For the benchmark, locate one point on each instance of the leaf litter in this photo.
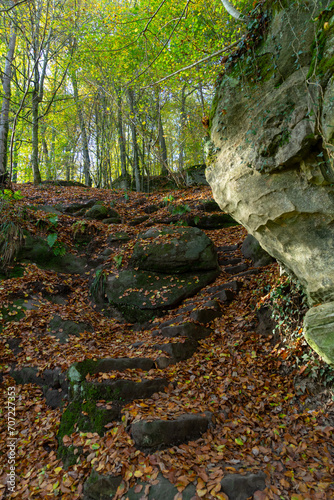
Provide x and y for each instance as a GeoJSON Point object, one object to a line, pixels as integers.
{"type": "Point", "coordinates": [261, 423]}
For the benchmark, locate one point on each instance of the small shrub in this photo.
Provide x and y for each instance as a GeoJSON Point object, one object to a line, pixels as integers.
{"type": "Point", "coordinates": [181, 210]}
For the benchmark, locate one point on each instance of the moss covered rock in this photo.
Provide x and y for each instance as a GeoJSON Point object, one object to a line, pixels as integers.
{"type": "Point", "coordinates": [37, 250]}
{"type": "Point", "coordinates": [100, 212]}
{"type": "Point", "coordinates": [140, 295]}
{"type": "Point", "coordinates": [174, 250]}
{"type": "Point", "coordinates": [64, 328]}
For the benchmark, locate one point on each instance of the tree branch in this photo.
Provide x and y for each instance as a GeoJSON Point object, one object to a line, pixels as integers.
{"type": "Point", "coordinates": [13, 6]}
{"type": "Point", "coordinates": [234, 12]}
{"type": "Point", "coordinates": [185, 68]}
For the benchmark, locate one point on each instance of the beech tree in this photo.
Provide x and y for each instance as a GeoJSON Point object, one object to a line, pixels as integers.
{"type": "Point", "coordinates": [113, 89]}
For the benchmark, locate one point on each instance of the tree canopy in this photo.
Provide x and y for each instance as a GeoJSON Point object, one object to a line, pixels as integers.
{"type": "Point", "coordinates": [95, 90]}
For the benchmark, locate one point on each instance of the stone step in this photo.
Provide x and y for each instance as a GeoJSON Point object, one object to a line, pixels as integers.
{"type": "Point", "coordinates": [235, 486]}
{"type": "Point", "coordinates": [78, 371]}
{"type": "Point", "coordinates": [223, 295]}
{"type": "Point", "coordinates": [120, 390]}
{"type": "Point", "coordinates": [188, 329]}
{"type": "Point", "coordinates": [227, 248]}
{"type": "Point", "coordinates": [222, 261]}
{"type": "Point", "coordinates": [235, 286]}
{"type": "Point", "coordinates": [179, 351]}
{"type": "Point", "coordinates": [236, 269]}
{"type": "Point", "coordinates": [160, 434]}
{"type": "Point", "coordinates": [94, 405]}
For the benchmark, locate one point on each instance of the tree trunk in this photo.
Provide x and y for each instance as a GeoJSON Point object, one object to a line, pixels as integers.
{"type": "Point", "coordinates": [162, 141]}
{"type": "Point", "coordinates": [34, 154]}
{"type": "Point", "coordinates": [84, 139]}
{"type": "Point", "coordinates": [134, 140]}
{"type": "Point", "coordinates": [121, 139]}
{"type": "Point", "coordinates": [182, 128]}
{"type": "Point", "coordinates": [4, 117]}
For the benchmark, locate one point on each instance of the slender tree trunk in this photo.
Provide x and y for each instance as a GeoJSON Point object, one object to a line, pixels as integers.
{"type": "Point", "coordinates": [162, 141]}
{"type": "Point", "coordinates": [46, 159]}
{"type": "Point", "coordinates": [15, 162]}
{"type": "Point", "coordinates": [35, 97]}
{"type": "Point", "coordinates": [84, 139]}
{"type": "Point", "coordinates": [134, 140]}
{"type": "Point", "coordinates": [4, 117]}
{"type": "Point", "coordinates": [34, 155]}
{"type": "Point", "coordinates": [121, 139]}
{"type": "Point", "coordinates": [182, 128]}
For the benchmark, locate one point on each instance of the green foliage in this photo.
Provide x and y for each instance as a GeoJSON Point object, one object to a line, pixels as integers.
{"type": "Point", "coordinates": [118, 260]}
{"type": "Point", "coordinates": [289, 305]}
{"type": "Point", "coordinates": [57, 246]}
{"type": "Point", "coordinates": [79, 228]}
{"type": "Point", "coordinates": [181, 209]}
{"type": "Point", "coordinates": [97, 287]}
{"type": "Point", "coordinates": [10, 196]}
{"type": "Point", "coordinates": [168, 199]}
{"type": "Point", "coordinates": [51, 239]}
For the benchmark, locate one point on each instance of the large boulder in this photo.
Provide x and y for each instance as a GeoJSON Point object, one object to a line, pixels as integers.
{"type": "Point", "coordinates": [140, 295]}
{"type": "Point", "coordinates": [271, 154]}
{"type": "Point", "coordinates": [100, 212]}
{"type": "Point", "coordinates": [174, 250]}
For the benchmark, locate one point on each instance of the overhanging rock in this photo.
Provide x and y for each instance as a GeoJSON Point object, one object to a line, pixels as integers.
{"type": "Point", "coordinates": [271, 155]}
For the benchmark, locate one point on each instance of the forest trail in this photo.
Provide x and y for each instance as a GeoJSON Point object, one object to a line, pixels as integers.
{"type": "Point", "coordinates": [264, 417]}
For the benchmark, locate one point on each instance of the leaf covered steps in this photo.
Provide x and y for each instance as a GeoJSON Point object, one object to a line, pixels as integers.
{"type": "Point", "coordinates": [159, 434]}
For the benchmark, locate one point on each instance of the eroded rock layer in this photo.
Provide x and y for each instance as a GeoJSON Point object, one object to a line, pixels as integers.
{"type": "Point", "coordinates": [272, 131]}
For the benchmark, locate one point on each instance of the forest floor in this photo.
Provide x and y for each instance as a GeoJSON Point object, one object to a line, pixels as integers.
{"type": "Point", "coordinates": [270, 415]}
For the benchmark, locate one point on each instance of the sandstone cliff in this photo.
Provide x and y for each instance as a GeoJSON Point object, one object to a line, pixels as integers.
{"type": "Point", "coordinates": [272, 148]}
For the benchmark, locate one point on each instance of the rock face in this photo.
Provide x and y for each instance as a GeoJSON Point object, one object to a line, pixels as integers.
{"type": "Point", "coordinates": [319, 330]}
{"type": "Point", "coordinates": [271, 155]}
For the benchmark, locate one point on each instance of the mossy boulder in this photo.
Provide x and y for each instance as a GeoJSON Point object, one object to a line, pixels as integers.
{"type": "Point", "coordinates": [100, 212]}
{"type": "Point", "coordinates": [140, 295]}
{"type": "Point", "coordinates": [37, 250]}
{"type": "Point", "coordinates": [62, 329]}
{"type": "Point", "coordinates": [174, 250]}
{"type": "Point", "coordinates": [72, 208]}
